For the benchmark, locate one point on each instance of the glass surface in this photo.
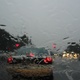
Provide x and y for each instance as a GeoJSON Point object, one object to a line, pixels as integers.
{"type": "Point", "coordinates": [36, 51]}
{"type": "Point", "coordinates": [50, 24]}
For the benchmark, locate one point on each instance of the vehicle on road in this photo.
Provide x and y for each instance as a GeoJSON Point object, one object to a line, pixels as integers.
{"type": "Point", "coordinates": [31, 55]}
{"type": "Point", "coordinates": [79, 57]}
{"type": "Point", "coordinates": [31, 72]}
{"type": "Point", "coordinates": [31, 64]}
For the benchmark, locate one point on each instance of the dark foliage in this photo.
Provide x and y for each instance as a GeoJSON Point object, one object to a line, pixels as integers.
{"type": "Point", "coordinates": [10, 43]}
{"type": "Point", "coordinates": [75, 47]}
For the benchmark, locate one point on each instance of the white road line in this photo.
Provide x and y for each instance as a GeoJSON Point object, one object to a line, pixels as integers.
{"type": "Point", "coordinates": [69, 77]}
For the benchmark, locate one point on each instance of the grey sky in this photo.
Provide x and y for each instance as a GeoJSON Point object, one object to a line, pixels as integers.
{"type": "Point", "coordinates": [47, 21]}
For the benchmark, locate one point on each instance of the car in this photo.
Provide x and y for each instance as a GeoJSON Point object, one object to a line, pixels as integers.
{"type": "Point", "coordinates": [31, 55]}
{"type": "Point", "coordinates": [29, 63]}
{"type": "Point", "coordinates": [30, 72]}
{"type": "Point", "coordinates": [79, 57]}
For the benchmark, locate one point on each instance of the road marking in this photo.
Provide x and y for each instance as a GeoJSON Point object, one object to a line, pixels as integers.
{"type": "Point", "coordinates": [69, 77]}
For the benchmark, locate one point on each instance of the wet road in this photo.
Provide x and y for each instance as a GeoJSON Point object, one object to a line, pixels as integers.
{"type": "Point", "coordinates": [64, 69]}
{"type": "Point", "coordinates": [3, 73]}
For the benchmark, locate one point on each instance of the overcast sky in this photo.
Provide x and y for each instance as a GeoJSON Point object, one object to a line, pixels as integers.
{"type": "Point", "coordinates": [47, 21]}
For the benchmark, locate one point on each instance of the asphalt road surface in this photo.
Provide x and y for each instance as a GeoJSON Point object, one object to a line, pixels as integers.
{"type": "Point", "coordinates": [63, 69]}
{"type": "Point", "coordinates": [3, 73]}
{"type": "Point", "coordinates": [66, 69]}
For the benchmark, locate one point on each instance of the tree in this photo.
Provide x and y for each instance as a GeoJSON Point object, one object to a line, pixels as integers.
{"type": "Point", "coordinates": [74, 47]}
{"type": "Point", "coordinates": [10, 43]}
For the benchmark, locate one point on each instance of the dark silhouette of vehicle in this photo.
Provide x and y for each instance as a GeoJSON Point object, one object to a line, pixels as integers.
{"type": "Point", "coordinates": [79, 57]}
{"type": "Point", "coordinates": [31, 55]}
{"type": "Point", "coordinates": [31, 63]}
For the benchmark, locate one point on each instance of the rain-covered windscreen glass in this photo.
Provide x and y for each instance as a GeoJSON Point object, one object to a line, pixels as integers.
{"type": "Point", "coordinates": [41, 27]}
{"type": "Point", "coordinates": [35, 51]}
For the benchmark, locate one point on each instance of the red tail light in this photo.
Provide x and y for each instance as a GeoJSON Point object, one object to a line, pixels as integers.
{"type": "Point", "coordinates": [48, 60]}
{"type": "Point", "coordinates": [32, 55]}
{"type": "Point", "coordinates": [10, 60]}
{"type": "Point", "coordinates": [45, 61]}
